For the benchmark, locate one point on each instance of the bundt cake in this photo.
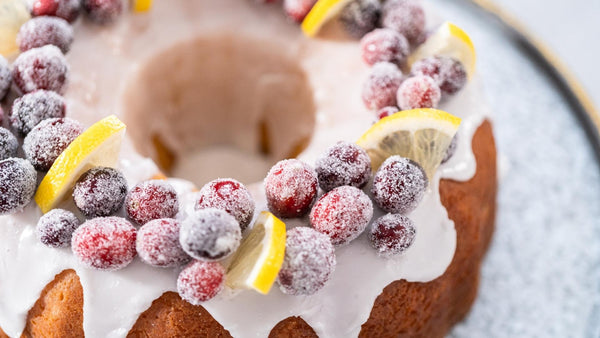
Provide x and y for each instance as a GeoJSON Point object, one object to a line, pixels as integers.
{"type": "Point", "coordinates": [369, 238]}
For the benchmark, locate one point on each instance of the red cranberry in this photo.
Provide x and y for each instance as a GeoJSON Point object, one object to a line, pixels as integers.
{"type": "Point", "coordinates": [448, 73]}
{"type": "Point", "coordinates": [100, 192]}
{"type": "Point", "coordinates": [41, 68]}
{"type": "Point", "coordinates": [404, 16]}
{"type": "Point", "coordinates": [65, 9]}
{"type": "Point", "coordinates": [150, 200]}
{"type": "Point", "coordinates": [5, 79]}
{"type": "Point", "coordinates": [360, 17]}
{"type": "Point", "coordinates": [298, 9]}
{"type": "Point", "coordinates": [382, 85]}
{"type": "Point", "coordinates": [102, 11]}
{"type": "Point", "coordinates": [45, 30]}
{"type": "Point", "coordinates": [419, 92]}
{"type": "Point", "coordinates": [200, 281]}
{"type": "Point", "coordinates": [56, 228]}
{"type": "Point", "coordinates": [342, 214]}
{"type": "Point", "coordinates": [210, 234]}
{"type": "Point", "coordinates": [31, 109]}
{"type": "Point", "coordinates": [399, 185]}
{"type": "Point", "coordinates": [48, 140]}
{"type": "Point", "coordinates": [392, 234]}
{"type": "Point", "coordinates": [291, 187]}
{"type": "Point", "coordinates": [451, 149]}
{"type": "Point", "coordinates": [343, 164]}
{"type": "Point", "coordinates": [229, 195]}
{"type": "Point", "coordinates": [308, 263]}
{"type": "Point", "coordinates": [384, 45]}
{"type": "Point", "coordinates": [157, 243]}
{"type": "Point", "coordinates": [8, 144]}
{"type": "Point", "coordinates": [17, 184]}
{"type": "Point", "coordinates": [387, 111]}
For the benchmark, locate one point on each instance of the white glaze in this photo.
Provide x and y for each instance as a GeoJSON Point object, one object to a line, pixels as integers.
{"type": "Point", "coordinates": [114, 300]}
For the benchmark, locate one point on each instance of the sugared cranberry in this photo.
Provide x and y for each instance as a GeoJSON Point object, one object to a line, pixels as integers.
{"type": "Point", "coordinates": [102, 11]}
{"type": "Point", "coordinates": [5, 78]}
{"type": "Point", "coordinates": [342, 214]}
{"type": "Point", "coordinates": [105, 243]}
{"type": "Point", "coordinates": [45, 30]}
{"type": "Point", "coordinates": [56, 228]}
{"type": "Point", "coordinates": [65, 9]}
{"type": "Point", "coordinates": [419, 92]}
{"type": "Point", "coordinates": [451, 149]}
{"type": "Point", "coordinates": [344, 163]}
{"type": "Point", "coordinates": [291, 187]}
{"type": "Point", "coordinates": [48, 140]}
{"type": "Point", "coordinates": [210, 234]}
{"type": "Point", "coordinates": [360, 17]}
{"type": "Point", "coordinates": [157, 243]}
{"type": "Point", "coordinates": [229, 195]}
{"type": "Point", "coordinates": [399, 185]}
{"type": "Point", "coordinates": [392, 234]}
{"type": "Point", "coordinates": [384, 45]}
{"type": "Point", "coordinates": [387, 111]}
{"type": "Point", "coordinates": [100, 192]}
{"type": "Point", "coordinates": [200, 281]}
{"type": "Point", "coordinates": [31, 109]}
{"type": "Point", "coordinates": [41, 68]}
{"type": "Point", "coordinates": [308, 263]}
{"type": "Point", "coordinates": [8, 144]}
{"type": "Point", "coordinates": [404, 16]}
{"type": "Point", "coordinates": [150, 200]}
{"type": "Point", "coordinates": [17, 184]}
{"type": "Point", "coordinates": [448, 73]}
{"type": "Point", "coordinates": [298, 9]}
{"type": "Point", "coordinates": [382, 85]}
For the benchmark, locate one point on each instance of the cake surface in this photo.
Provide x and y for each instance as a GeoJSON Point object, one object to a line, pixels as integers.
{"type": "Point", "coordinates": [441, 268]}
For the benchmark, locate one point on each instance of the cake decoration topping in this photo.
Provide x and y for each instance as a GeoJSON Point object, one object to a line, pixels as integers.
{"type": "Point", "coordinates": [382, 85]}
{"type": "Point", "coordinates": [210, 234]}
{"type": "Point", "coordinates": [105, 243]}
{"type": "Point", "coordinates": [48, 140]}
{"type": "Point", "coordinates": [5, 78]}
{"type": "Point", "coordinates": [17, 184]}
{"type": "Point", "coordinates": [13, 14]}
{"type": "Point", "coordinates": [308, 264]}
{"type": "Point", "coordinates": [65, 9]}
{"type": "Point", "coordinates": [41, 68]}
{"type": "Point", "coordinates": [392, 234]}
{"type": "Point", "coordinates": [449, 74]}
{"type": "Point", "coordinates": [291, 188]}
{"type": "Point", "coordinates": [8, 144]}
{"type": "Point", "coordinates": [31, 109]}
{"type": "Point", "coordinates": [228, 195]}
{"type": "Point", "coordinates": [359, 17]}
{"type": "Point", "coordinates": [157, 243]}
{"type": "Point", "coordinates": [298, 9]}
{"type": "Point", "coordinates": [451, 149]}
{"type": "Point", "coordinates": [384, 45]}
{"type": "Point", "coordinates": [344, 163]}
{"type": "Point", "coordinates": [387, 111]}
{"type": "Point", "coordinates": [140, 6]}
{"type": "Point", "coordinates": [200, 281]}
{"type": "Point", "coordinates": [45, 30]}
{"type": "Point", "coordinates": [150, 200]}
{"type": "Point", "coordinates": [342, 214]}
{"type": "Point", "coordinates": [404, 16]}
{"type": "Point", "coordinates": [55, 228]}
{"type": "Point", "coordinates": [100, 192]}
{"type": "Point", "coordinates": [102, 11]}
{"type": "Point", "coordinates": [419, 92]}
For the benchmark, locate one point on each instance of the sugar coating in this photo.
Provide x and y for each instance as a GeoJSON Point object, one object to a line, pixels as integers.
{"type": "Point", "coordinates": [384, 45]}
{"type": "Point", "coordinates": [419, 91]}
{"type": "Point", "coordinates": [380, 88]}
{"type": "Point", "coordinates": [5, 78]}
{"type": "Point", "coordinates": [55, 228]}
{"type": "Point", "coordinates": [344, 163]}
{"type": "Point", "coordinates": [8, 144]}
{"type": "Point", "coordinates": [17, 184]}
{"type": "Point", "coordinates": [308, 263]}
{"type": "Point", "coordinates": [360, 17]}
{"type": "Point", "coordinates": [448, 73]}
{"type": "Point", "coordinates": [41, 68]}
{"type": "Point", "coordinates": [291, 187]}
{"type": "Point", "coordinates": [404, 16]}
{"type": "Point", "coordinates": [102, 11]}
{"type": "Point", "coordinates": [451, 149]}
{"type": "Point", "coordinates": [387, 111]}
{"type": "Point", "coordinates": [48, 140]}
{"type": "Point", "coordinates": [100, 192]}
{"type": "Point", "coordinates": [157, 243]}
{"type": "Point", "coordinates": [229, 195]}
{"type": "Point", "coordinates": [150, 200]}
{"type": "Point", "coordinates": [392, 234]}
{"type": "Point", "coordinates": [298, 9]}
{"type": "Point", "coordinates": [105, 243]}
{"type": "Point", "coordinates": [65, 9]}
{"type": "Point", "coordinates": [399, 185]}
{"type": "Point", "coordinates": [200, 281]}
{"type": "Point", "coordinates": [342, 214]}
{"type": "Point", "coordinates": [210, 234]}
{"type": "Point", "coordinates": [45, 30]}
{"type": "Point", "coordinates": [31, 109]}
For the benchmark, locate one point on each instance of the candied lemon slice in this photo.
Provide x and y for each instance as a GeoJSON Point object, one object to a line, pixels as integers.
{"type": "Point", "coordinates": [448, 40]}
{"type": "Point", "coordinates": [99, 145]}
{"type": "Point", "coordinates": [423, 135]}
{"type": "Point", "coordinates": [140, 6]}
{"type": "Point", "coordinates": [13, 14]}
{"type": "Point", "coordinates": [322, 11]}
{"type": "Point", "coordinates": [257, 262]}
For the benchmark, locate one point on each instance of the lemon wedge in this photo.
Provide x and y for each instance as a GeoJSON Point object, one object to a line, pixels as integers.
{"type": "Point", "coordinates": [322, 11]}
{"type": "Point", "coordinates": [448, 40]}
{"type": "Point", "coordinates": [257, 262]}
{"type": "Point", "coordinates": [13, 14]}
{"type": "Point", "coordinates": [140, 6]}
{"type": "Point", "coordinates": [99, 145]}
{"type": "Point", "coordinates": [423, 135]}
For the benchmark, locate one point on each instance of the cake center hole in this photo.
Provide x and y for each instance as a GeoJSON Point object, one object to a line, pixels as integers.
{"type": "Point", "coordinates": [220, 106]}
